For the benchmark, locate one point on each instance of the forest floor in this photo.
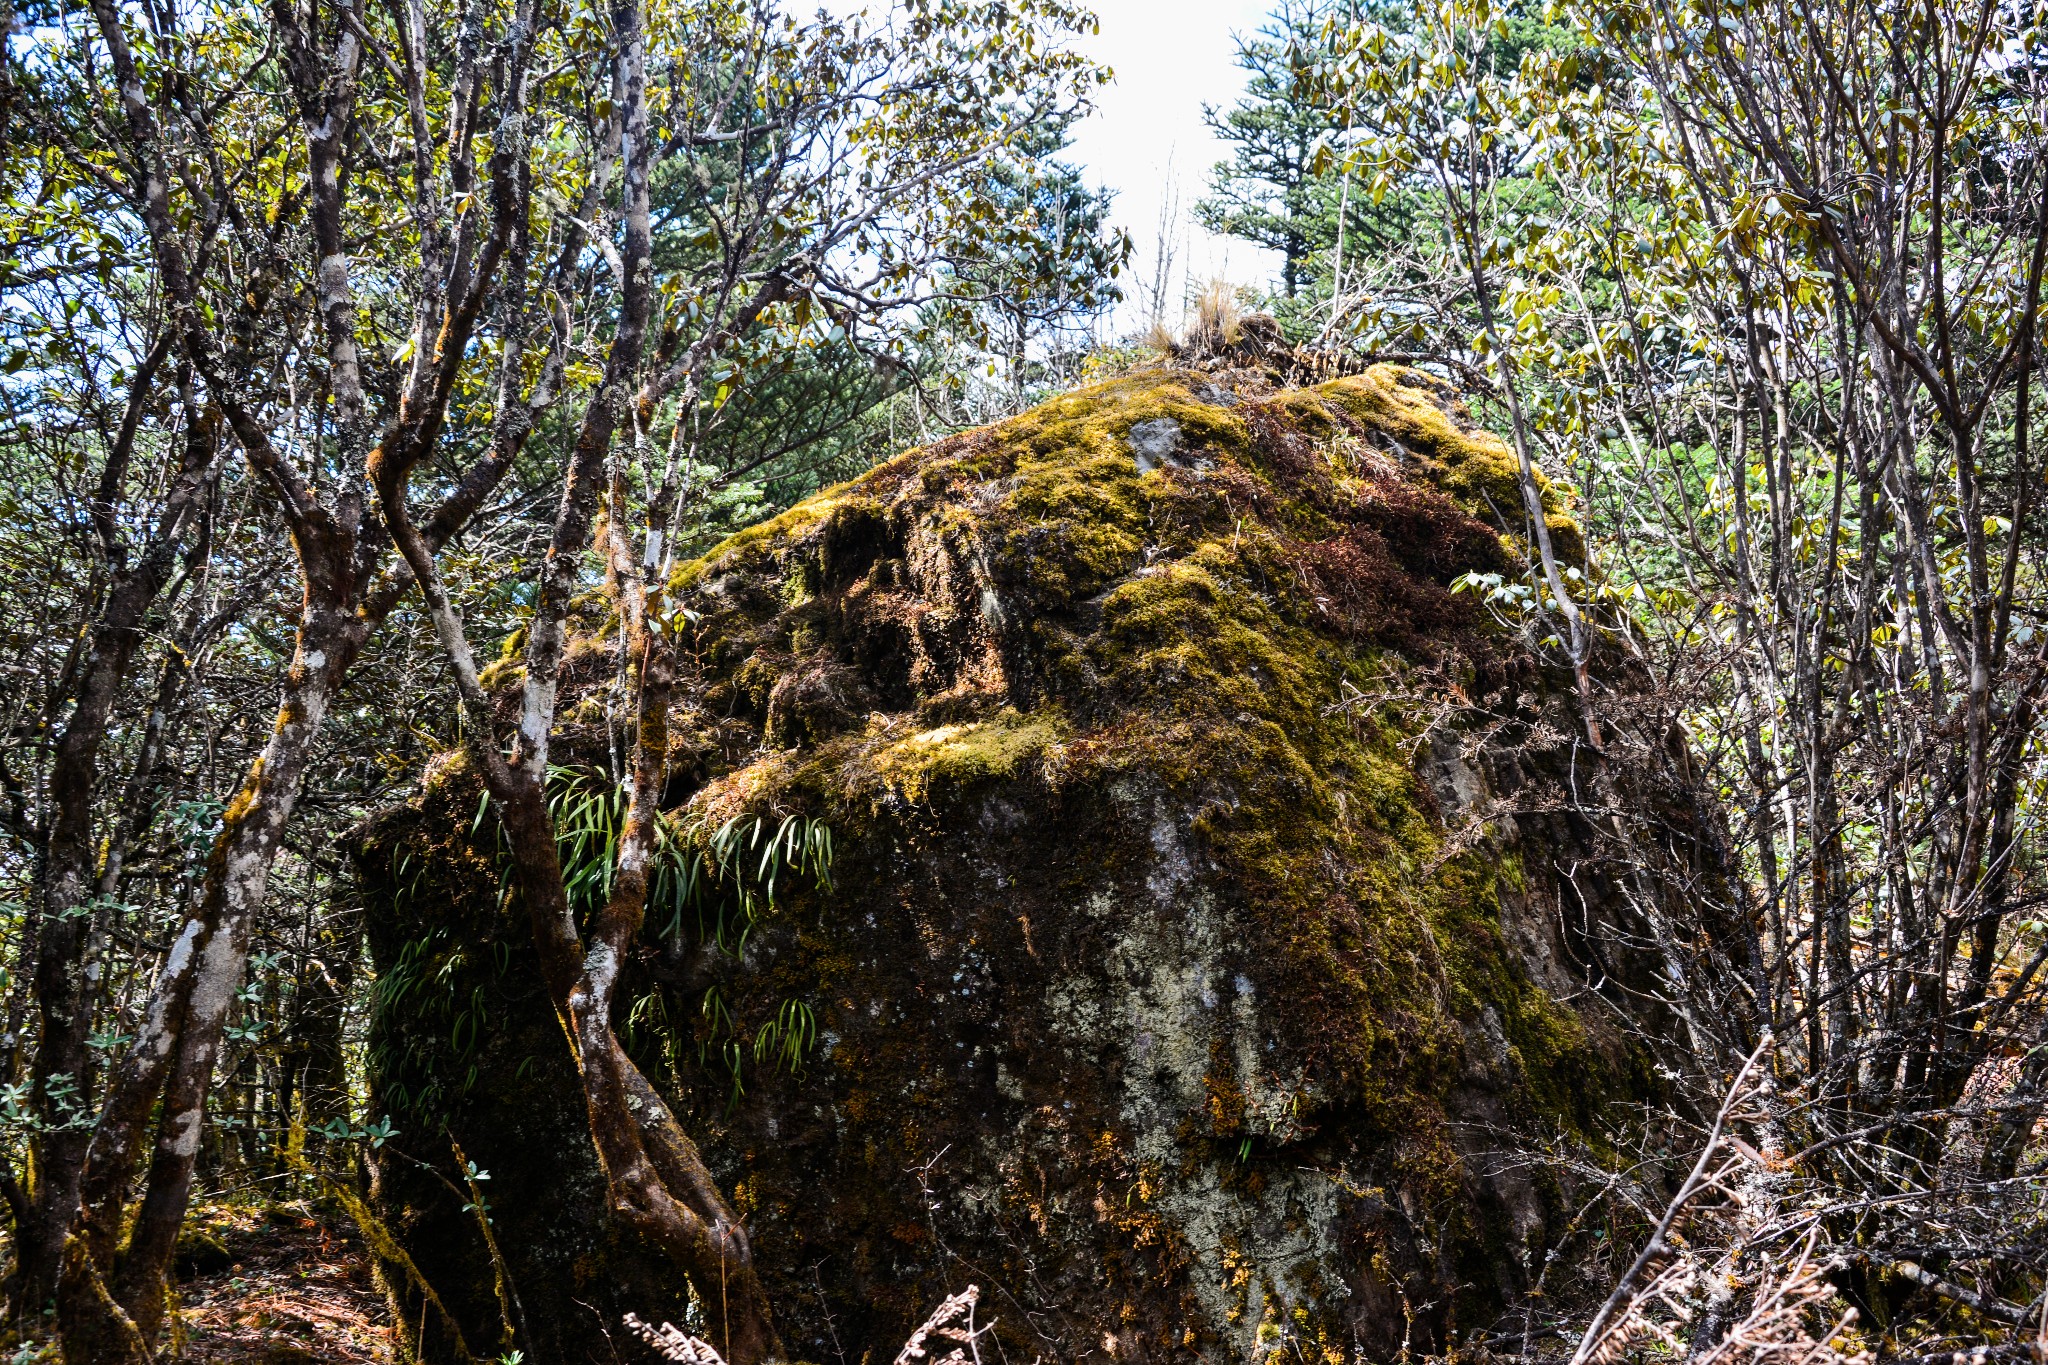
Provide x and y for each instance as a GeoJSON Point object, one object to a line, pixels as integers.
{"type": "Point", "coordinates": [285, 1284]}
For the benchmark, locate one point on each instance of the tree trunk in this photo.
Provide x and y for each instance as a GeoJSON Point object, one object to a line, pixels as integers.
{"type": "Point", "coordinates": [108, 1290]}
{"type": "Point", "coordinates": [66, 984]}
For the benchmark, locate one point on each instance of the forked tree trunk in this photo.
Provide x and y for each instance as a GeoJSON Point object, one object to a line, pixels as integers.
{"type": "Point", "coordinates": [111, 1288]}
{"type": "Point", "coordinates": [656, 1181]}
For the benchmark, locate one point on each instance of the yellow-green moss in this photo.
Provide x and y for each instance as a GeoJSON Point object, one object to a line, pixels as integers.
{"type": "Point", "coordinates": [763, 536]}
{"type": "Point", "coordinates": [1471, 464]}
{"type": "Point", "coordinates": [960, 755]}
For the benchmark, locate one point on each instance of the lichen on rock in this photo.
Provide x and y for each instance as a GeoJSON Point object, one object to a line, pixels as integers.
{"type": "Point", "coordinates": [1179, 964]}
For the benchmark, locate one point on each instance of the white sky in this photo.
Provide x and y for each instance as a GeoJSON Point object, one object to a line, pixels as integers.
{"type": "Point", "coordinates": [1147, 141]}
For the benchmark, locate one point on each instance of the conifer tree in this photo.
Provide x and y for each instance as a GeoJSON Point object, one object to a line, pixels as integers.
{"type": "Point", "coordinates": [1269, 192]}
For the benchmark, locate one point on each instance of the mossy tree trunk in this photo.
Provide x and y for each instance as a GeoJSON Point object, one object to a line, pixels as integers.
{"type": "Point", "coordinates": [111, 1294]}
{"type": "Point", "coordinates": [111, 1288]}
{"type": "Point", "coordinates": [72, 931]}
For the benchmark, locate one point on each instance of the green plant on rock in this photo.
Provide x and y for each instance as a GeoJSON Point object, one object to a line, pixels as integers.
{"type": "Point", "coordinates": [435, 980]}
{"type": "Point", "coordinates": [712, 882]}
{"type": "Point", "coordinates": [720, 878]}
{"type": "Point", "coordinates": [727, 875]}
{"type": "Point", "coordinates": [730, 874]}
{"type": "Point", "coordinates": [788, 1038]}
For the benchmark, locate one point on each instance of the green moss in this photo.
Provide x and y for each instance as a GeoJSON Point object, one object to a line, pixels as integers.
{"type": "Point", "coordinates": [1190, 634]}
{"type": "Point", "coordinates": [736, 551]}
{"type": "Point", "coordinates": [957, 757]}
{"type": "Point", "coordinates": [1209, 667]}
{"type": "Point", "coordinates": [1473, 465]}
{"type": "Point", "coordinates": [1097, 419]}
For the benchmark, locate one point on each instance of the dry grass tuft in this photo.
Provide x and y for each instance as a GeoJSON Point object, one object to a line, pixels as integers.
{"type": "Point", "coordinates": [952, 1321]}
{"type": "Point", "coordinates": [674, 1343]}
{"type": "Point", "coordinates": [1218, 322]}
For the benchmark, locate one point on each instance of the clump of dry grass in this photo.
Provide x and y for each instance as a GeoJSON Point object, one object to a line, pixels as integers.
{"type": "Point", "coordinates": [1218, 321]}
{"type": "Point", "coordinates": [1219, 332]}
{"type": "Point", "coordinates": [952, 1321]}
{"type": "Point", "coordinates": [674, 1343]}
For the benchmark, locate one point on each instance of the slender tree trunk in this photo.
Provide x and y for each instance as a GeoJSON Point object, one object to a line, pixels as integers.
{"type": "Point", "coordinates": [110, 1300]}
{"type": "Point", "coordinates": [655, 1179]}
{"type": "Point", "coordinates": [66, 985]}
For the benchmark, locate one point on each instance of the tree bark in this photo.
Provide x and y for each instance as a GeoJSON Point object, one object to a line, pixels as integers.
{"type": "Point", "coordinates": [111, 1290]}
{"type": "Point", "coordinates": [66, 985]}
{"type": "Point", "coordinates": [173, 1054]}
{"type": "Point", "coordinates": [656, 1181]}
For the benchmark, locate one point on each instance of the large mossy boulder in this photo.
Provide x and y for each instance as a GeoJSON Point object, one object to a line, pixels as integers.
{"type": "Point", "coordinates": [1208, 924]}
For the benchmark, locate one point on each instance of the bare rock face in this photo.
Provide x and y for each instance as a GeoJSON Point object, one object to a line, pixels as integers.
{"type": "Point", "coordinates": [1203, 922]}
